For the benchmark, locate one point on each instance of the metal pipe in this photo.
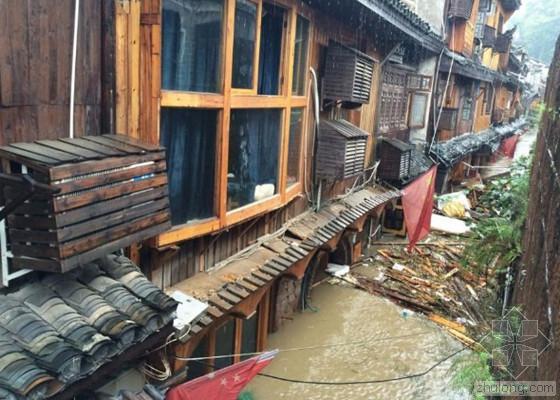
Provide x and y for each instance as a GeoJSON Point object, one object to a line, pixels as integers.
{"type": "Point", "coordinates": [73, 72]}
{"type": "Point", "coordinates": [315, 135]}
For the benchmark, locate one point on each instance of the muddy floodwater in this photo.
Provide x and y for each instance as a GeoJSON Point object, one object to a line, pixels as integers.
{"type": "Point", "coordinates": [348, 315]}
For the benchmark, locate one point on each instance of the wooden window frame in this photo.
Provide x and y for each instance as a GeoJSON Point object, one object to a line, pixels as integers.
{"type": "Point", "coordinates": [427, 96]}
{"type": "Point", "coordinates": [256, 52]}
{"type": "Point", "coordinates": [234, 98]}
{"type": "Point", "coordinates": [263, 315]}
{"type": "Point", "coordinates": [470, 108]}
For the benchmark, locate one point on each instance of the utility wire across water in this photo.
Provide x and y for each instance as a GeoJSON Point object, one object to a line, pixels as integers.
{"type": "Point", "coordinates": [367, 382]}
{"type": "Point", "coordinates": [321, 346]}
{"type": "Point", "coordinates": [198, 360]}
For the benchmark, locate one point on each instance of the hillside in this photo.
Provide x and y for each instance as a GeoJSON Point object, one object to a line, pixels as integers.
{"type": "Point", "coordinates": [538, 23]}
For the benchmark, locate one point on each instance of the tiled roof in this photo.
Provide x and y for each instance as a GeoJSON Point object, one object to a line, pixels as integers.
{"type": "Point", "coordinates": [511, 5]}
{"type": "Point", "coordinates": [61, 328]}
{"type": "Point", "coordinates": [419, 163]}
{"type": "Point", "coordinates": [244, 274]}
{"type": "Point", "coordinates": [466, 67]}
{"type": "Point", "coordinates": [345, 128]}
{"type": "Point", "coordinates": [453, 150]}
{"type": "Point", "coordinates": [400, 15]}
{"type": "Point", "coordinates": [409, 15]}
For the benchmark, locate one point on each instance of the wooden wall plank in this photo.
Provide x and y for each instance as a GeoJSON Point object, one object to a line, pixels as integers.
{"type": "Point", "coordinates": [35, 64]}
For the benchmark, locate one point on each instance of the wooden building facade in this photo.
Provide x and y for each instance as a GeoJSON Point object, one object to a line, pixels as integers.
{"type": "Point", "coordinates": [475, 90]}
{"type": "Point", "coordinates": [237, 93]}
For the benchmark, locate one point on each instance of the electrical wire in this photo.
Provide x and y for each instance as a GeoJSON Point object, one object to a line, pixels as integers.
{"type": "Point", "coordinates": [156, 373]}
{"type": "Point", "coordinates": [354, 343]}
{"type": "Point", "coordinates": [444, 94]}
{"type": "Point", "coordinates": [364, 382]}
{"type": "Point", "coordinates": [367, 382]}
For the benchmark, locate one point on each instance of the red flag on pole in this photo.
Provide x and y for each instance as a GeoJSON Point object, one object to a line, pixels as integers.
{"type": "Point", "coordinates": [418, 202]}
{"type": "Point", "coordinates": [225, 384]}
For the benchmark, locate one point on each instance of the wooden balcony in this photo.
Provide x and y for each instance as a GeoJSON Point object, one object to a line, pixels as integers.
{"type": "Point", "coordinates": [488, 36]}
{"type": "Point", "coordinates": [460, 9]}
{"type": "Point", "coordinates": [503, 43]}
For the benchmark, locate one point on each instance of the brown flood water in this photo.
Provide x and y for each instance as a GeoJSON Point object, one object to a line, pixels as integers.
{"type": "Point", "coordinates": [349, 315]}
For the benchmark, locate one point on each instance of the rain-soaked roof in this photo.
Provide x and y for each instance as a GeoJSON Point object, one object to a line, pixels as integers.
{"type": "Point", "coordinates": [453, 150]}
{"type": "Point", "coordinates": [401, 16]}
{"type": "Point", "coordinates": [395, 12]}
{"type": "Point", "coordinates": [466, 67]}
{"type": "Point", "coordinates": [61, 328]}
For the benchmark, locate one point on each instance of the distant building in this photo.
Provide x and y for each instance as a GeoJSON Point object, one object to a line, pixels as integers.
{"type": "Point", "coordinates": [479, 78]}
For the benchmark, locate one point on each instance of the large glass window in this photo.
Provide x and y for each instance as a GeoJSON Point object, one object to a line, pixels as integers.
{"type": "Point", "coordinates": [225, 344]}
{"type": "Point", "coordinates": [467, 109]}
{"type": "Point", "coordinates": [272, 28]}
{"type": "Point", "coordinates": [250, 120]}
{"type": "Point", "coordinates": [254, 145]}
{"type": "Point", "coordinates": [189, 136]}
{"type": "Point", "coordinates": [199, 368]}
{"type": "Point", "coordinates": [418, 108]}
{"type": "Point", "coordinates": [488, 98]}
{"type": "Point", "coordinates": [244, 44]}
{"type": "Point", "coordinates": [300, 56]}
{"type": "Point", "coordinates": [191, 45]}
{"type": "Point", "coordinates": [249, 334]}
{"type": "Point", "coordinates": [294, 145]}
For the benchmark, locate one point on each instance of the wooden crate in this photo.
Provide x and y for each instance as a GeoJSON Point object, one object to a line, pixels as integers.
{"type": "Point", "coordinates": [395, 159]}
{"type": "Point", "coordinates": [348, 75]}
{"type": "Point", "coordinates": [341, 150]}
{"type": "Point", "coordinates": [112, 192]}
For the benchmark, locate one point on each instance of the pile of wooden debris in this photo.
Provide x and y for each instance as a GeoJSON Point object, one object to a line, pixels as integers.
{"type": "Point", "coordinates": [430, 280]}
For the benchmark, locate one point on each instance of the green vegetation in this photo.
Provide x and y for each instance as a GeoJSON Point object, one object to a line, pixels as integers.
{"type": "Point", "coordinates": [535, 116]}
{"type": "Point", "coordinates": [496, 239]}
{"type": "Point", "coordinates": [538, 23]}
{"type": "Point", "coordinates": [472, 369]}
{"type": "Point", "coordinates": [477, 367]}
{"type": "Point", "coordinates": [246, 395]}
{"type": "Point", "coordinates": [494, 246]}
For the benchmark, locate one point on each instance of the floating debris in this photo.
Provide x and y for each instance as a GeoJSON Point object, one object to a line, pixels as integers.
{"type": "Point", "coordinates": [431, 281]}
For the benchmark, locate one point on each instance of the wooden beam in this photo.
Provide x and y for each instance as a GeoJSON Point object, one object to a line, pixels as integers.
{"type": "Point", "coordinates": [173, 98]}
{"type": "Point", "coordinates": [297, 271]}
{"type": "Point", "coordinates": [108, 67]}
{"type": "Point", "coordinates": [223, 142]}
{"type": "Point", "coordinates": [188, 231]}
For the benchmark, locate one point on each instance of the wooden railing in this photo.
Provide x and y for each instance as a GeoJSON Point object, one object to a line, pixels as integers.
{"type": "Point", "coordinates": [503, 43]}
{"type": "Point", "coordinates": [460, 9]}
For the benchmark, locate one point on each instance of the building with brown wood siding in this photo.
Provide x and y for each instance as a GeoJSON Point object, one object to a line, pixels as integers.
{"type": "Point", "coordinates": [273, 116]}
{"type": "Point", "coordinates": [474, 88]}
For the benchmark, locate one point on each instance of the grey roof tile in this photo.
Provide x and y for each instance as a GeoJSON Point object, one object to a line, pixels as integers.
{"type": "Point", "coordinates": [62, 328]}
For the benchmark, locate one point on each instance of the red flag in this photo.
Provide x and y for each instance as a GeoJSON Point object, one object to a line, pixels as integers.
{"type": "Point", "coordinates": [225, 384]}
{"type": "Point", "coordinates": [509, 145]}
{"type": "Point", "coordinates": [418, 202]}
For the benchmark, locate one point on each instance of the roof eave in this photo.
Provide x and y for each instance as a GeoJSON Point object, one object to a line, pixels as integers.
{"type": "Point", "coordinates": [427, 40]}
